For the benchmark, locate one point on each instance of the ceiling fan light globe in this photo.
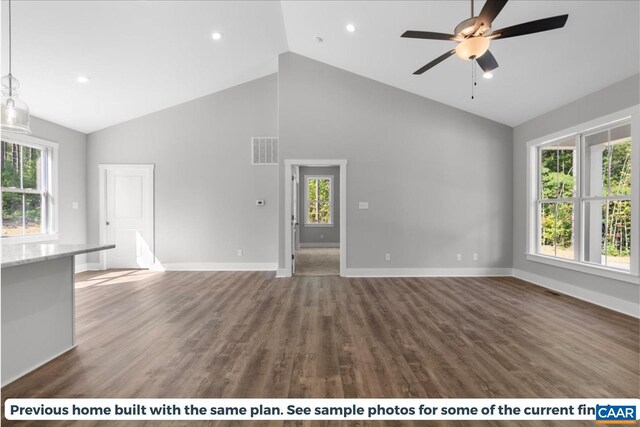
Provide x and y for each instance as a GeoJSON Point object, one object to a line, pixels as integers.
{"type": "Point", "coordinates": [472, 48]}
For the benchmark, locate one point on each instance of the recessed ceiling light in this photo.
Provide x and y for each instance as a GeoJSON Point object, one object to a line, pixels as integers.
{"type": "Point", "coordinates": [216, 36]}
{"type": "Point", "coordinates": [351, 28]}
{"type": "Point", "coordinates": [83, 79]}
{"type": "Point", "coordinates": [488, 75]}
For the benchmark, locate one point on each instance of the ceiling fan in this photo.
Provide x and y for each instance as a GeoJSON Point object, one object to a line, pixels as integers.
{"type": "Point", "coordinates": [475, 34]}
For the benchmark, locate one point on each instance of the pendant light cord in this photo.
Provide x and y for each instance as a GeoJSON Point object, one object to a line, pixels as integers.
{"type": "Point", "coordinates": [10, 76]}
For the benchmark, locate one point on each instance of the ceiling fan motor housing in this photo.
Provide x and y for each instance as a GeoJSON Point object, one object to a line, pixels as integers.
{"type": "Point", "coordinates": [466, 27]}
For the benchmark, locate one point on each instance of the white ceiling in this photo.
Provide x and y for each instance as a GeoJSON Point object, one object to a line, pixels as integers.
{"type": "Point", "coordinates": [599, 45]}
{"type": "Point", "coordinates": [143, 56]}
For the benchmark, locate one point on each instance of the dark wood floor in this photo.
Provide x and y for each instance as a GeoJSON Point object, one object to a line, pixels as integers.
{"type": "Point", "coordinates": [247, 334]}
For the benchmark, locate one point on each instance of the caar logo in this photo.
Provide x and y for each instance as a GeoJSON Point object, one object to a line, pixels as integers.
{"type": "Point", "coordinates": [615, 414]}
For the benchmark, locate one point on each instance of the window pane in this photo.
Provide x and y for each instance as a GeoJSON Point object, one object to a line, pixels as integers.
{"type": "Point", "coordinates": [607, 231]}
{"type": "Point", "coordinates": [608, 162]}
{"type": "Point", "coordinates": [556, 230]}
{"type": "Point", "coordinates": [323, 190]}
{"type": "Point", "coordinates": [33, 214]}
{"type": "Point", "coordinates": [31, 167]}
{"type": "Point", "coordinates": [564, 231]}
{"type": "Point", "coordinates": [311, 187]}
{"type": "Point", "coordinates": [566, 169]}
{"type": "Point", "coordinates": [311, 214]}
{"type": "Point", "coordinates": [547, 229]}
{"type": "Point", "coordinates": [10, 165]}
{"type": "Point", "coordinates": [548, 172]}
{"type": "Point", "coordinates": [323, 215]}
{"type": "Point", "coordinates": [618, 178]}
{"type": "Point", "coordinates": [11, 214]}
{"type": "Point", "coordinates": [618, 234]}
{"type": "Point", "coordinates": [557, 169]}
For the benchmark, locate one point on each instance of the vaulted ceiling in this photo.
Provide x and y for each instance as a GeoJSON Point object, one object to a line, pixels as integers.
{"type": "Point", "coordinates": [143, 56]}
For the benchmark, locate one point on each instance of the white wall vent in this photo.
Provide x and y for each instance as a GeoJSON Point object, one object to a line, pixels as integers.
{"type": "Point", "coordinates": [264, 150]}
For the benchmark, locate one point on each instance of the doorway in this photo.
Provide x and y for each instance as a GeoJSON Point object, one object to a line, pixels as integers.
{"type": "Point", "coordinates": [315, 217]}
{"type": "Point", "coordinates": [126, 215]}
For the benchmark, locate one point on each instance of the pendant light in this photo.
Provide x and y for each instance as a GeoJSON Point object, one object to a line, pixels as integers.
{"type": "Point", "coordinates": [15, 113]}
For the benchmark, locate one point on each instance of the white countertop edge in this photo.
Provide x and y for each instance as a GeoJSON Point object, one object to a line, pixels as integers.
{"type": "Point", "coordinates": [27, 253]}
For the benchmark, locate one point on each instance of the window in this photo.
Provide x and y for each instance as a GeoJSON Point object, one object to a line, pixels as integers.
{"type": "Point", "coordinates": [27, 200]}
{"type": "Point", "coordinates": [583, 197]}
{"type": "Point", "coordinates": [318, 200]}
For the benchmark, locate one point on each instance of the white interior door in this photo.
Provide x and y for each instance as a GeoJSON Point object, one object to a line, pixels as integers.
{"type": "Point", "coordinates": [128, 216]}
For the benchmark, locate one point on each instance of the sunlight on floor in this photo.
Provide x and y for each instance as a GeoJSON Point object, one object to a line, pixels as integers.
{"type": "Point", "coordinates": [115, 277]}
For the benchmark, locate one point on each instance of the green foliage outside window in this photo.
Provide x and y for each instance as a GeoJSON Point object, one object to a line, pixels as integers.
{"type": "Point", "coordinates": [557, 181]}
{"type": "Point", "coordinates": [21, 169]}
{"type": "Point", "coordinates": [318, 201]}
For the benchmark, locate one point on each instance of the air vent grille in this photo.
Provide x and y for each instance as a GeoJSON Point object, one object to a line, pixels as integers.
{"type": "Point", "coordinates": [264, 150]}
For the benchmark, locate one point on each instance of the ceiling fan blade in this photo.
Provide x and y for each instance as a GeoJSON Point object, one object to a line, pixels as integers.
{"type": "Point", "coordinates": [435, 62]}
{"type": "Point", "coordinates": [531, 27]}
{"type": "Point", "coordinates": [428, 35]}
{"type": "Point", "coordinates": [489, 11]}
{"type": "Point", "coordinates": [487, 62]}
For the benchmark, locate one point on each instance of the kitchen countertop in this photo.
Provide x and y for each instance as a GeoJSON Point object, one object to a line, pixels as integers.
{"type": "Point", "coordinates": [26, 253]}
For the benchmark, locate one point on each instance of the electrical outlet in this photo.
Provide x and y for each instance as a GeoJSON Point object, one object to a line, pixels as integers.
{"type": "Point", "coordinates": [75, 205]}
{"type": "Point", "coordinates": [322, 237]}
{"type": "Point", "coordinates": [239, 252]}
{"type": "Point", "coordinates": [459, 257]}
{"type": "Point", "coordinates": [475, 257]}
{"type": "Point", "coordinates": [387, 257]}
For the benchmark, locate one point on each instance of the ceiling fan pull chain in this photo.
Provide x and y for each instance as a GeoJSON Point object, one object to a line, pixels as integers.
{"type": "Point", "coordinates": [472, 80]}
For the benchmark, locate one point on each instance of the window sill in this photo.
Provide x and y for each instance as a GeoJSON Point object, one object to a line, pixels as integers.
{"type": "Point", "coordinates": [34, 238]}
{"type": "Point", "coordinates": [585, 268]}
{"type": "Point", "coordinates": [318, 225]}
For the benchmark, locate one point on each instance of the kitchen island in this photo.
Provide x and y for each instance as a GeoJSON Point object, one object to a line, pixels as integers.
{"type": "Point", "coordinates": [38, 304]}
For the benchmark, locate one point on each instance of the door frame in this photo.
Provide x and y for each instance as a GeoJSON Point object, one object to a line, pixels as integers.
{"type": "Point", "coordinates": [288, 171]}
{"type": "Point", "coordinates": [102, 208]}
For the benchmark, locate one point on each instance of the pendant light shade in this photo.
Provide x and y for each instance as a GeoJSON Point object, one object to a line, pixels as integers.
{"type": "Point", "coordinates": [15, 113]}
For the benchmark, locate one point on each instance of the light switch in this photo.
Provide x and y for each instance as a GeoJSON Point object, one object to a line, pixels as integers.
{"type": "Point", "coordinates": [74, 205]}
{"type": "Point", "coordinates": [363, 205]}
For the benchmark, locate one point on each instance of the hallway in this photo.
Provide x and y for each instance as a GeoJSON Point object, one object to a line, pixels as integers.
{"type": "Point", "coordinates": [318, 262]}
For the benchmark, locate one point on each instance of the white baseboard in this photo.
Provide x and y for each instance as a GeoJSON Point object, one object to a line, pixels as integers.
{"type": "Point", "coordinates": [89, 266]}
{"type": "Point", "coordinates": [613, 303]}
{"type": "Point", "coordinates": [427, 272]}
{"type": "Point", "coordinates": [220, 266]}
{"type": "Point", "coordinates": [320, 245]}
{"type": "Point", "coordinates": [282, 272]}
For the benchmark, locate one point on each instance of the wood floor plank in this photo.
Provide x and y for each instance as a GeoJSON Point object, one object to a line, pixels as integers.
{"type": "Point", "coordinates": [248, 334]}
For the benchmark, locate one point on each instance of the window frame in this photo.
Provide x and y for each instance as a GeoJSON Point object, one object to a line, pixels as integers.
{"type": "Point", "coordinates": [330, 178]}
{"type": "Point", "coordinates": [575, 200]}
{"type": "Point", "coordinates": [631, 116]}
{"type": "Point", "coordinates": [49, 190]}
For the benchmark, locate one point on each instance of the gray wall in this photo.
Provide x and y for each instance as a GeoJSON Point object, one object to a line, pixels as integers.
{"type": "Point", "coordinates": [205, 185]}
{"type": "Point", "coordinates": [402, 151]}
{"type": "Point", "coordinates": [321, 234]}
{"type": "Point", "coordinates": [614, 98]}
{"type": "Point", "coordinates": [72, 179]}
